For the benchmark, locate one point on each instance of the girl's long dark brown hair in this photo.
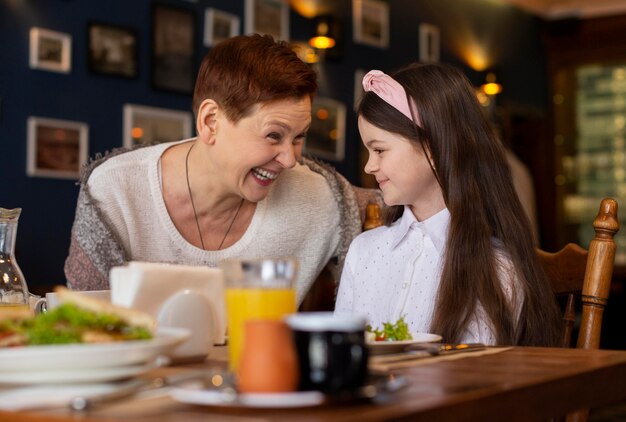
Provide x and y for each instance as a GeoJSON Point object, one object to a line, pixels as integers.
{"type": "Point", "coordinates": [470, 165]}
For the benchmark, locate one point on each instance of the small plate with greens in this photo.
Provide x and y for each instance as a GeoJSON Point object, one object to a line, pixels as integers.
{"type": "Point", "coordinates": [390, 346]}
{"type": "Point", "coordinates": [394, 337]}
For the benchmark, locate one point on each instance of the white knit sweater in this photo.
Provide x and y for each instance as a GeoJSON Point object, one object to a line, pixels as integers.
{"type": "Point", "coordinates": [298, 218]}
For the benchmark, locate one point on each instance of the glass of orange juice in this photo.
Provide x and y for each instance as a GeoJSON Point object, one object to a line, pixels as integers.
{"type": "Point", "coordinates": [256, 289]}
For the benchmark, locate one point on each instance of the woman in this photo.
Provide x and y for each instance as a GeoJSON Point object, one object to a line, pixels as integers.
{"type": "Point", "coordinates": [236, 190]}
{"type": "Point", "coordinates": [458, 258]}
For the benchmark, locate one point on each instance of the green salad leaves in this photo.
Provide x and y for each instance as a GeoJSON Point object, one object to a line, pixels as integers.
{"type": "Point", "coordinates": [70, 324]}
{"type": "Point", "coordinates": [391, 332]}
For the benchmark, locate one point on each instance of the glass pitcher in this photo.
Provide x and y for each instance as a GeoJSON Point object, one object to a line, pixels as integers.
{"type": "Point", "coordinates": [13, 289]}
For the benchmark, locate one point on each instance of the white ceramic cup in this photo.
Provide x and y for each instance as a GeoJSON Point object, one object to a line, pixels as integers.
{"type": "Point", "coordinates": [191, 310]}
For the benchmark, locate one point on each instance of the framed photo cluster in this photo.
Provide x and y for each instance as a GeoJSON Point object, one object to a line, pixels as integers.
{"type": "Point", "coordinates": [59, 148]}
{"type": "Point", "coordinates": [113, 50]}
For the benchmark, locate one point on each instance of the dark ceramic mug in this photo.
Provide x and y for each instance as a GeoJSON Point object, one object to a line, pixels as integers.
{"type": "Point", "coordinates": [331, 350]}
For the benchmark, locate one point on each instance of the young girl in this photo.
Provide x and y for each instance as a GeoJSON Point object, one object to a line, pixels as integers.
{"type": "Point", "coordinates": [457, 258]}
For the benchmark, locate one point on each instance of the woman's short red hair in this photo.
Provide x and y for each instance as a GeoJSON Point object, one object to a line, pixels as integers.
{"type": "Point", "coordinates": [251, 69]}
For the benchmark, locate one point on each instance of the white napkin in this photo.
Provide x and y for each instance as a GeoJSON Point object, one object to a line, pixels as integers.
{"type": "Point", "coordinates": [147, 286]}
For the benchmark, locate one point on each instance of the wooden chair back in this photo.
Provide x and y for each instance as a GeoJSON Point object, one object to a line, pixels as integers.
{"type": "Point", "coordinates": [574, 271]}
{"type": "Point", "coordinates": [566, 272]}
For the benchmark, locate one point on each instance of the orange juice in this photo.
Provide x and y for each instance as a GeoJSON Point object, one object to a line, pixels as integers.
{"type": "Point", "coordinates": [253, 303]}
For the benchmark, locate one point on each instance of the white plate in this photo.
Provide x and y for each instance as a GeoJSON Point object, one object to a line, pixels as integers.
{"type": "Point", "coordinates": [256, 400]}
{"type": "Point", "coordinates": [91, 356]}
{"type": "Point", "coordinates": [75, 376]}
{"type": "Point", "coordinates": [380, 347]}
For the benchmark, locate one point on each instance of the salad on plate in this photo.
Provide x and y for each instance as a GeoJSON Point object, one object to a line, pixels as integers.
{"type": "Point", "coordinates": [80, 319]}
{"type": "Point", "coordinates": [398, 331]}
{"type": "Point", "coordinates": [394, 337]}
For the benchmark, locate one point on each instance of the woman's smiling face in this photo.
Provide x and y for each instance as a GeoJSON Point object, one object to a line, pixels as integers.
{"type": "Point", "coordinates": [257, 148]}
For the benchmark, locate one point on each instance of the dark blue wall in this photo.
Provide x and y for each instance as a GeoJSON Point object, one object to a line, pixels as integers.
{"type": "Point", "coordinates": [511, 35]}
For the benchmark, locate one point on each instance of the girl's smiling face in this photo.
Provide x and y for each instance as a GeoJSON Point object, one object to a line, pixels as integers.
{"type": "Point", "coordinates": [402, 171]}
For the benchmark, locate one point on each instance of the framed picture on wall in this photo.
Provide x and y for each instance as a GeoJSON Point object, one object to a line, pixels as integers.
{"type": "Point", "coordinates": [173, 49]}
{"type": "Point", "coordinates": [50, 50]}
{"type": "Point", "coordinates": [56, 148]}
{"type": "Point", "coordinates": [327, 135]}
{"type": "Point", "coordinates": [148, 125]}
{"type": "Point", "coordinates": [267, 17]}
{"type": "Point", "coordinates": [219, 26]}
{"type": "Point", "coordinates": [370, 22]}
{"type": "Point", "coordinates": [112, 50]}
{"type": "Point", "coordinates": [429, 43]}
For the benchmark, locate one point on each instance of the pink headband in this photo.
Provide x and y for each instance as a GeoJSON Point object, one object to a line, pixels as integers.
{"type": "Point", "coordinates": [389, 90]}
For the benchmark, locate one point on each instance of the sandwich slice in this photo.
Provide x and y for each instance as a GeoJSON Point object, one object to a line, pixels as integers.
{"type": "Point", "coordinates": [79, 319]}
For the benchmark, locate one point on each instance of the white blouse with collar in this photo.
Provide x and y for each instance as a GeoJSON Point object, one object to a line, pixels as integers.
{"type": "Point", "coordinates": [395, 270]}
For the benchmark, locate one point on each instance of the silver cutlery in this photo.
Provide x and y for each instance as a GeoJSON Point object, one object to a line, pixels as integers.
{"type": "Point", "coordinates": [425, 350]}
{"type": "Point", "coordinates": [215, 379]}
{"type": "Point", "coordinates": [436, 349]}
{"type": "Point", "coordinates": [378, 389]}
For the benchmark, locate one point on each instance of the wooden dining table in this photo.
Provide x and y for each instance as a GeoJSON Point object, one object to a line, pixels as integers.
{"type": "Point", "coordinates": [517, 384]}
